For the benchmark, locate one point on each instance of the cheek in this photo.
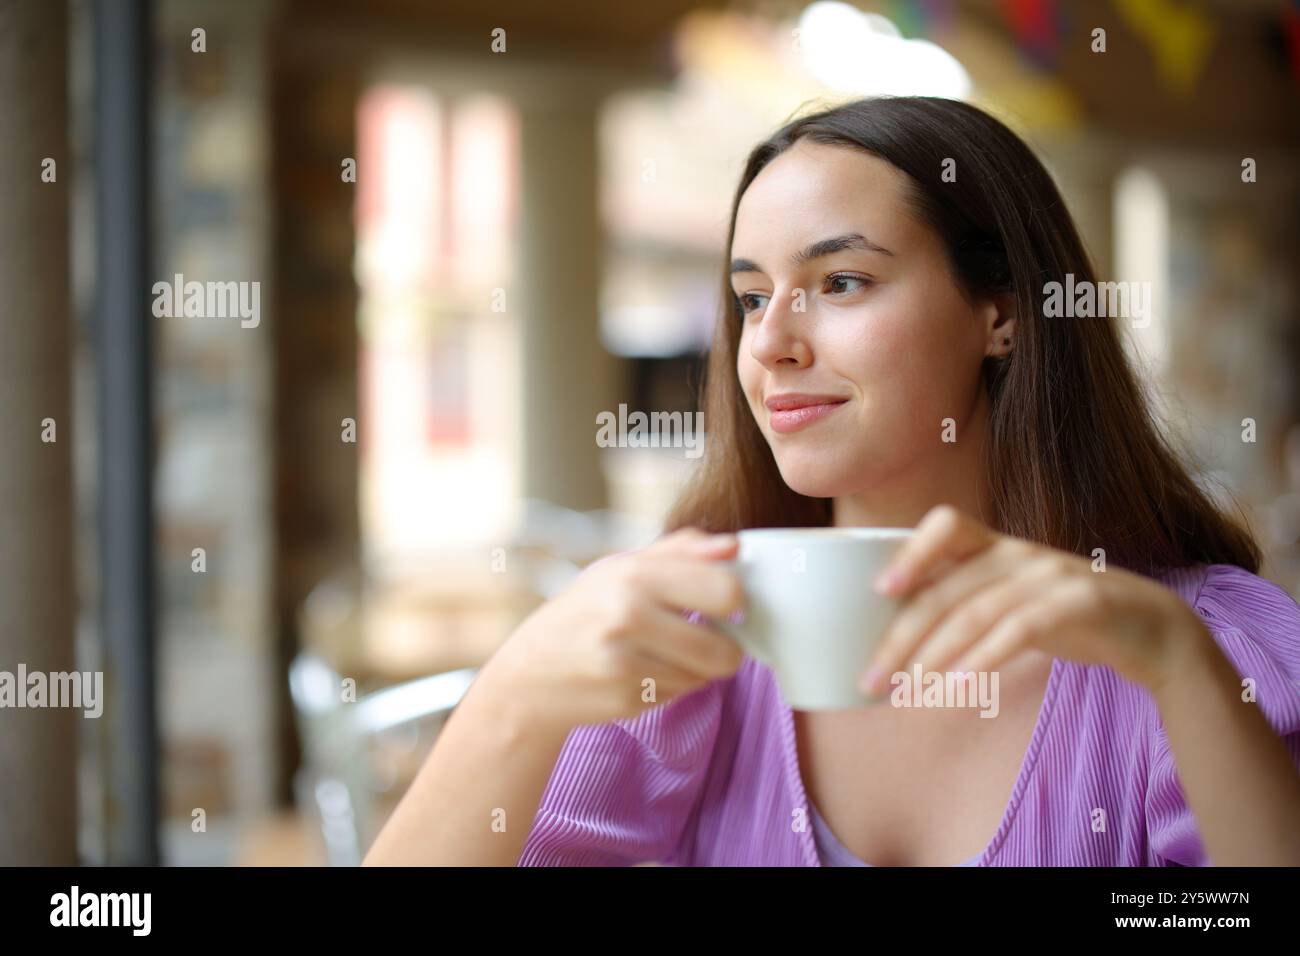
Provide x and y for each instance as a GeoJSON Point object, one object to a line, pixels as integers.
{"type": "Point", "coordinates": [886, 352]}
{"type": "Point", "coordinates": [916, 354]}
{"type": "Point", "coordinates": [930, 328]}
{"type": "Point", "coordinates": [749, 371]}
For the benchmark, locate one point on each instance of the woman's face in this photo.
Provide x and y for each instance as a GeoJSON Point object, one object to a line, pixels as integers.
{"type": "Point", "coordinates": [872, 331]}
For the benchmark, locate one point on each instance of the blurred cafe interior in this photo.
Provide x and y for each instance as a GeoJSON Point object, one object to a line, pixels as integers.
{"type": "Point", "coordinates": [471, 228]}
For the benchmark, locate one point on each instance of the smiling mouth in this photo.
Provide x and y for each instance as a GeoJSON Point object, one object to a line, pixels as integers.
{"type": "Point", "coordinates": [789, 420]}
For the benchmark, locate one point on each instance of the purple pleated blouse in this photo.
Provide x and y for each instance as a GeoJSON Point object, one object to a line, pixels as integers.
{"type": "Point", "coordinates": [711, 778]}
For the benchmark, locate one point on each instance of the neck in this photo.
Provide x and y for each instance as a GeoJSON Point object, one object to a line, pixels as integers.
{"type": "Point", "coordinates": [951, 474]}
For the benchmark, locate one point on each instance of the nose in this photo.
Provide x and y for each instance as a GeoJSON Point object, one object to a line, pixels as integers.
{"type": "Point", "coordinates": [781, 335]}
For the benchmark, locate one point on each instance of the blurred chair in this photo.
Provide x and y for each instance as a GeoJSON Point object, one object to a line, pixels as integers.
{"type": "Point", "coordinates": [336, 784]}
{"type": "Point", "coordinates": [578, 536]}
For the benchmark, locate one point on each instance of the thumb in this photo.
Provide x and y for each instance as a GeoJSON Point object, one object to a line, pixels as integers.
{"type": "Point", "coordinates": [718, 545]}
{"type": "Point", "coordinates": [695, 543]}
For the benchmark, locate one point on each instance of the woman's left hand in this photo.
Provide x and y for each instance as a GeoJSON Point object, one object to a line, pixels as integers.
{"type": "Point", "coordinates": [973, 598]}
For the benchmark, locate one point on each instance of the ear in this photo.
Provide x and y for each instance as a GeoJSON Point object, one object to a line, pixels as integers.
{"type": "Point", "coordinates": [999, 317]}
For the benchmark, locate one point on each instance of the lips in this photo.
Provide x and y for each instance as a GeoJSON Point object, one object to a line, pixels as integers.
{"type": "Point", "coordinates": [794, 410]}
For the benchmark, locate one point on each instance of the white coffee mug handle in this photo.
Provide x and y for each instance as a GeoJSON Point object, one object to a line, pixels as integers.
{"type": "Point", "coordinates": [743, 634]}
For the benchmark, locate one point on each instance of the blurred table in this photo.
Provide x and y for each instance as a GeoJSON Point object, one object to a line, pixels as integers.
{"type": "Point", "coordinates": [426, 622]}
{"type": "Point", "coordinates": [285, 839]}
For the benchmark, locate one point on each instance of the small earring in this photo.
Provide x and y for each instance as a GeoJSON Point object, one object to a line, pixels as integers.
{"type": "Point", "coordinates": [1006, 341]}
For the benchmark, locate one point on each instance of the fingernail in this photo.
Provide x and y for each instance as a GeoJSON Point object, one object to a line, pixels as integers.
{"type": "Point", "coordinates": [890, 581]}
{"type": "Point", "coordinates": [872, 679]}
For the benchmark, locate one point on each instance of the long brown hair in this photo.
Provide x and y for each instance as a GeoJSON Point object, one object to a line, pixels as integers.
{"type": "Point", "coordinates": [1075, 459]}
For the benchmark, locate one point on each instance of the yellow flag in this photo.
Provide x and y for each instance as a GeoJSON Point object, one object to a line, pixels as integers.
{"type": "Point", "coordinates": [1179, 36]}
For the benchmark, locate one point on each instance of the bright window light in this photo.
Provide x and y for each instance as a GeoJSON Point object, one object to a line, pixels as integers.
{"type": "Point", "coordinates": [864, 53]}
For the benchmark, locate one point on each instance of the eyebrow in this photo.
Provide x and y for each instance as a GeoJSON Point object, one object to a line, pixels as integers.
{"type": "Point", "coordinates": [823, 247]}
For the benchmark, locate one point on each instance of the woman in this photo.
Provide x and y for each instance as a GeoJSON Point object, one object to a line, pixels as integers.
{"type": "Point", "coordinates": [884, 360]}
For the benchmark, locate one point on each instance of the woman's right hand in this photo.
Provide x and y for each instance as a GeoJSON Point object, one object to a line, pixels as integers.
{"type": "Point", "coordinates": [585, 656]}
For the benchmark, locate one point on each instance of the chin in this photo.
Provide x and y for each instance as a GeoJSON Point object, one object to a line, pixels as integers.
{"type": "Point", "coordinates": [814, 479]}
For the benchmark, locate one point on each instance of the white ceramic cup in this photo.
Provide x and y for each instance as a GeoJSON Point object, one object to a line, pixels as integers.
{"type": "Point", "coordinates": [812, 613]}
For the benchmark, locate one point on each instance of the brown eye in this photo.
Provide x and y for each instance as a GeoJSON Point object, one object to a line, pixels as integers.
{"type": "Point", "coordinates": [837, 280]}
